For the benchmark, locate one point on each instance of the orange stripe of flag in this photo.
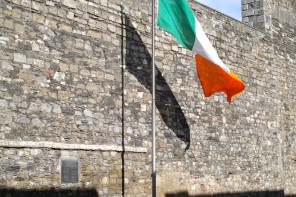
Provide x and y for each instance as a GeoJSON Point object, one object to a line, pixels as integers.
{"type": "Point", "coordinates": [214, 79]}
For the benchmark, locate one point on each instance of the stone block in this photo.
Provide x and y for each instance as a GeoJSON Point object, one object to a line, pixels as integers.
{"type": "Point", "coordinates": [91, 9]}
{"type": "Point", "coordinates": [19, 28]}
{"type": "Point", "coordinates": [85, 72]}
{"type": "Point", "coordinates": [34, 107]}
{"type": "Point", "coordinates": [53, 10]}
{"type": "Point", "coordinates": [57, 109]}
{"type": "Point", "coordinates": [252, 19]}
{"type": "Point", "coordinates": [51, 23]}
{"type": "Point", "coordinates": [102, 25]}
{"type": "Point", "coordinates": [18, 2]}
{"type": "Point", "coordinates": [63, 95]}
{"type": "Point", "coordinates": [111, 28]}
{"type": "Point", "coordinates": [92, 23]}
{"type": "Point", "coordinates": [59, 76]}
{"type": "Point", "coordinates": [16, 13]}
{"type": "Point", "coordinates": [258, 25]}
{"type": "Point", "coordinates": [50, 3]}
{"type": "Point", "coordinates": [37, 122]}
{"type": "Point", "coordinates": [45, 107]}
{"type": "Point", "coordinates": [23, 120]}
{"type": "Point", "coordinates": [7, 12]}
{"type": "Point", "coordinates": [244, 1]}
{"type": "Point", "coordinates": [26, 3]}
{"type": "Point", "coordinates": [79, 44]}
{"type": "Point", "coordinates": [245, 7]}
{"type": "Point", "coordinates": [35, 46]}
{"type": "Point", "coordinates": [91, 87]}
{"type": "Point", "coordinates": [18, 57]}
{"type": "Point", "coordinates": [70, 15]}
{"type": "Point", "coordinates": [105, 180]}
{"type": "Point", "coordinates": [38, 18]}
{"type": "Point", "coordinates": [103, 2]}
{"type": "Point", "coordinates": [109, 77]}
{"type": "Point", "coordinates": [94, 34]}
{"type": "Point", "coordinates": [80, 20]}
{"type": "Point", "coordinates": [8, 24]}
{"type": "Point", "coordinates": [260, 18]}
{"type": "Point", "coordinates": [248, 13]}
{"type": "Point", "coordinates": [64, 67]}
{"type": "Point", "coordinates": [3, 103]}
{"type": "Point", "coordinates": [66, 28]}
{"type": "Point", "coordinates": [175, 48]}
{"type": "Point", "coordinates": [35, 5]}
{"type": "Point", "coordinates": [62, 13]}
{"type": "Point", "coordinates": [247, 1]}
{"type": "Point", "coordinates": [139, 142]}
{"type": "Point", "coordinates": [88, 113]}
{"type": "Point", "coordinates": [38, 62]}
{"type": "Point", "coordinates": [70, 3]}
{"type": "Point", "coordinates": [6, 66]}
{"type": "Point", "coordinates": [73, 68]}
{"type": "Point", "coordinates": [245, 20]}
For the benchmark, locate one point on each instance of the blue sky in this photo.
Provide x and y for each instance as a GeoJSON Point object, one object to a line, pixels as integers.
{"type": "Point", "coordinates": [229, 7]}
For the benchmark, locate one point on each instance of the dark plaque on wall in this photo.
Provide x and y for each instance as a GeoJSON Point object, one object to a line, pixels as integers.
{"type": "Point", "coordinates": [69, 170]}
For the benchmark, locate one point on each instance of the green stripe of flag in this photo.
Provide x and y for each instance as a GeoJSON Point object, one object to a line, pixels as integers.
{"type": "Point", "coordinates": [177, 18]}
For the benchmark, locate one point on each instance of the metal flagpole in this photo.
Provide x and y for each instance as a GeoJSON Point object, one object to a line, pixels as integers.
{"type": "Point", "coordinates": [153, 103]}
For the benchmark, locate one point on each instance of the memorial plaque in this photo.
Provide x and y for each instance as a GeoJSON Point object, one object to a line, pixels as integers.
{"type": "Point", "coordinates": [69, 170]}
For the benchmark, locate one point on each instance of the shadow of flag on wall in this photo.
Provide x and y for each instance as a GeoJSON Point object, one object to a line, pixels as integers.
{"type": "Point", "coordinates": [138, 63]}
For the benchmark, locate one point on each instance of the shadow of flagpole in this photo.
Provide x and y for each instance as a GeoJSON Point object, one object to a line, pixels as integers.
{"type": "Point", "coordinates": [122, 104]}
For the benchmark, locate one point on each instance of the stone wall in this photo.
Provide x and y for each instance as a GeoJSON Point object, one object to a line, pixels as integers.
{"type": "Point", "coordinates": [76, 82]}
{"type": "Point", "coordinates": [253, 13]}
{"type": "Point", "coordinates": [285, 55]}
{"type": "Point", "coordinates": [261, 13]}
{"type": "Point", "coordinates": [282, 10]}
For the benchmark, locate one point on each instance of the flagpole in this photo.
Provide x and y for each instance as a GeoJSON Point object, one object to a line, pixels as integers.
{"type": "Point", "coordinates": [153, 104]}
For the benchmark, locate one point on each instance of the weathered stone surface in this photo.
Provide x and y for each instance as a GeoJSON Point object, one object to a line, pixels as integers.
{"type": "Point", "coordinates": [6, 65]}
{"type": "Point", "coordinates": [70, 3]}
{"type": "Point", "coordinates": [88, 112]}
{"type": "Point", "coordinates": [94, 34]}
{"type": "Point", "coordinates": [18, 57]}
{"type": "Point", "coordinates": [24, 120]}
{"type": "Point", "coordinates": [37, 122]}
{"type": "Point", "coordinates": [3, 103]}
{"type": "Point", "coordinates": [19, 28]}
{"type": "Point", "coordinates": [35, 46]}
{"type": "Point", "coordinates": [57, 109]}
{"type": "Point", "coordinates": [59, 76]}
{"type": "Point", "coordinates": [66, 28]}
{"type": "Point", "coordinates": [75, 78]}
{"type": "Point", "coordinates": [46, 107]}
{"type": "Point", "coordinates": [64, 67]}
{"type": "Point", "coordinates": [26, 74]}
{"type": "Point", "coordinates": [63, 95]}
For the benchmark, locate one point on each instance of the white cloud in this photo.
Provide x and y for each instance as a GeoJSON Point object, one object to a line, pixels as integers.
{"type": "Point", "coordinates": [228, 7]}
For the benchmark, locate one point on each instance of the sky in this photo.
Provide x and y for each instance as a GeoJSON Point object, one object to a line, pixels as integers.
{"type": "Point", "coordinates": [229, 7]}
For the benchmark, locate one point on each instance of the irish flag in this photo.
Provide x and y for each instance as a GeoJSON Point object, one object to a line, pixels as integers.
{"type": "Point", "coordinates": [177, 18]}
